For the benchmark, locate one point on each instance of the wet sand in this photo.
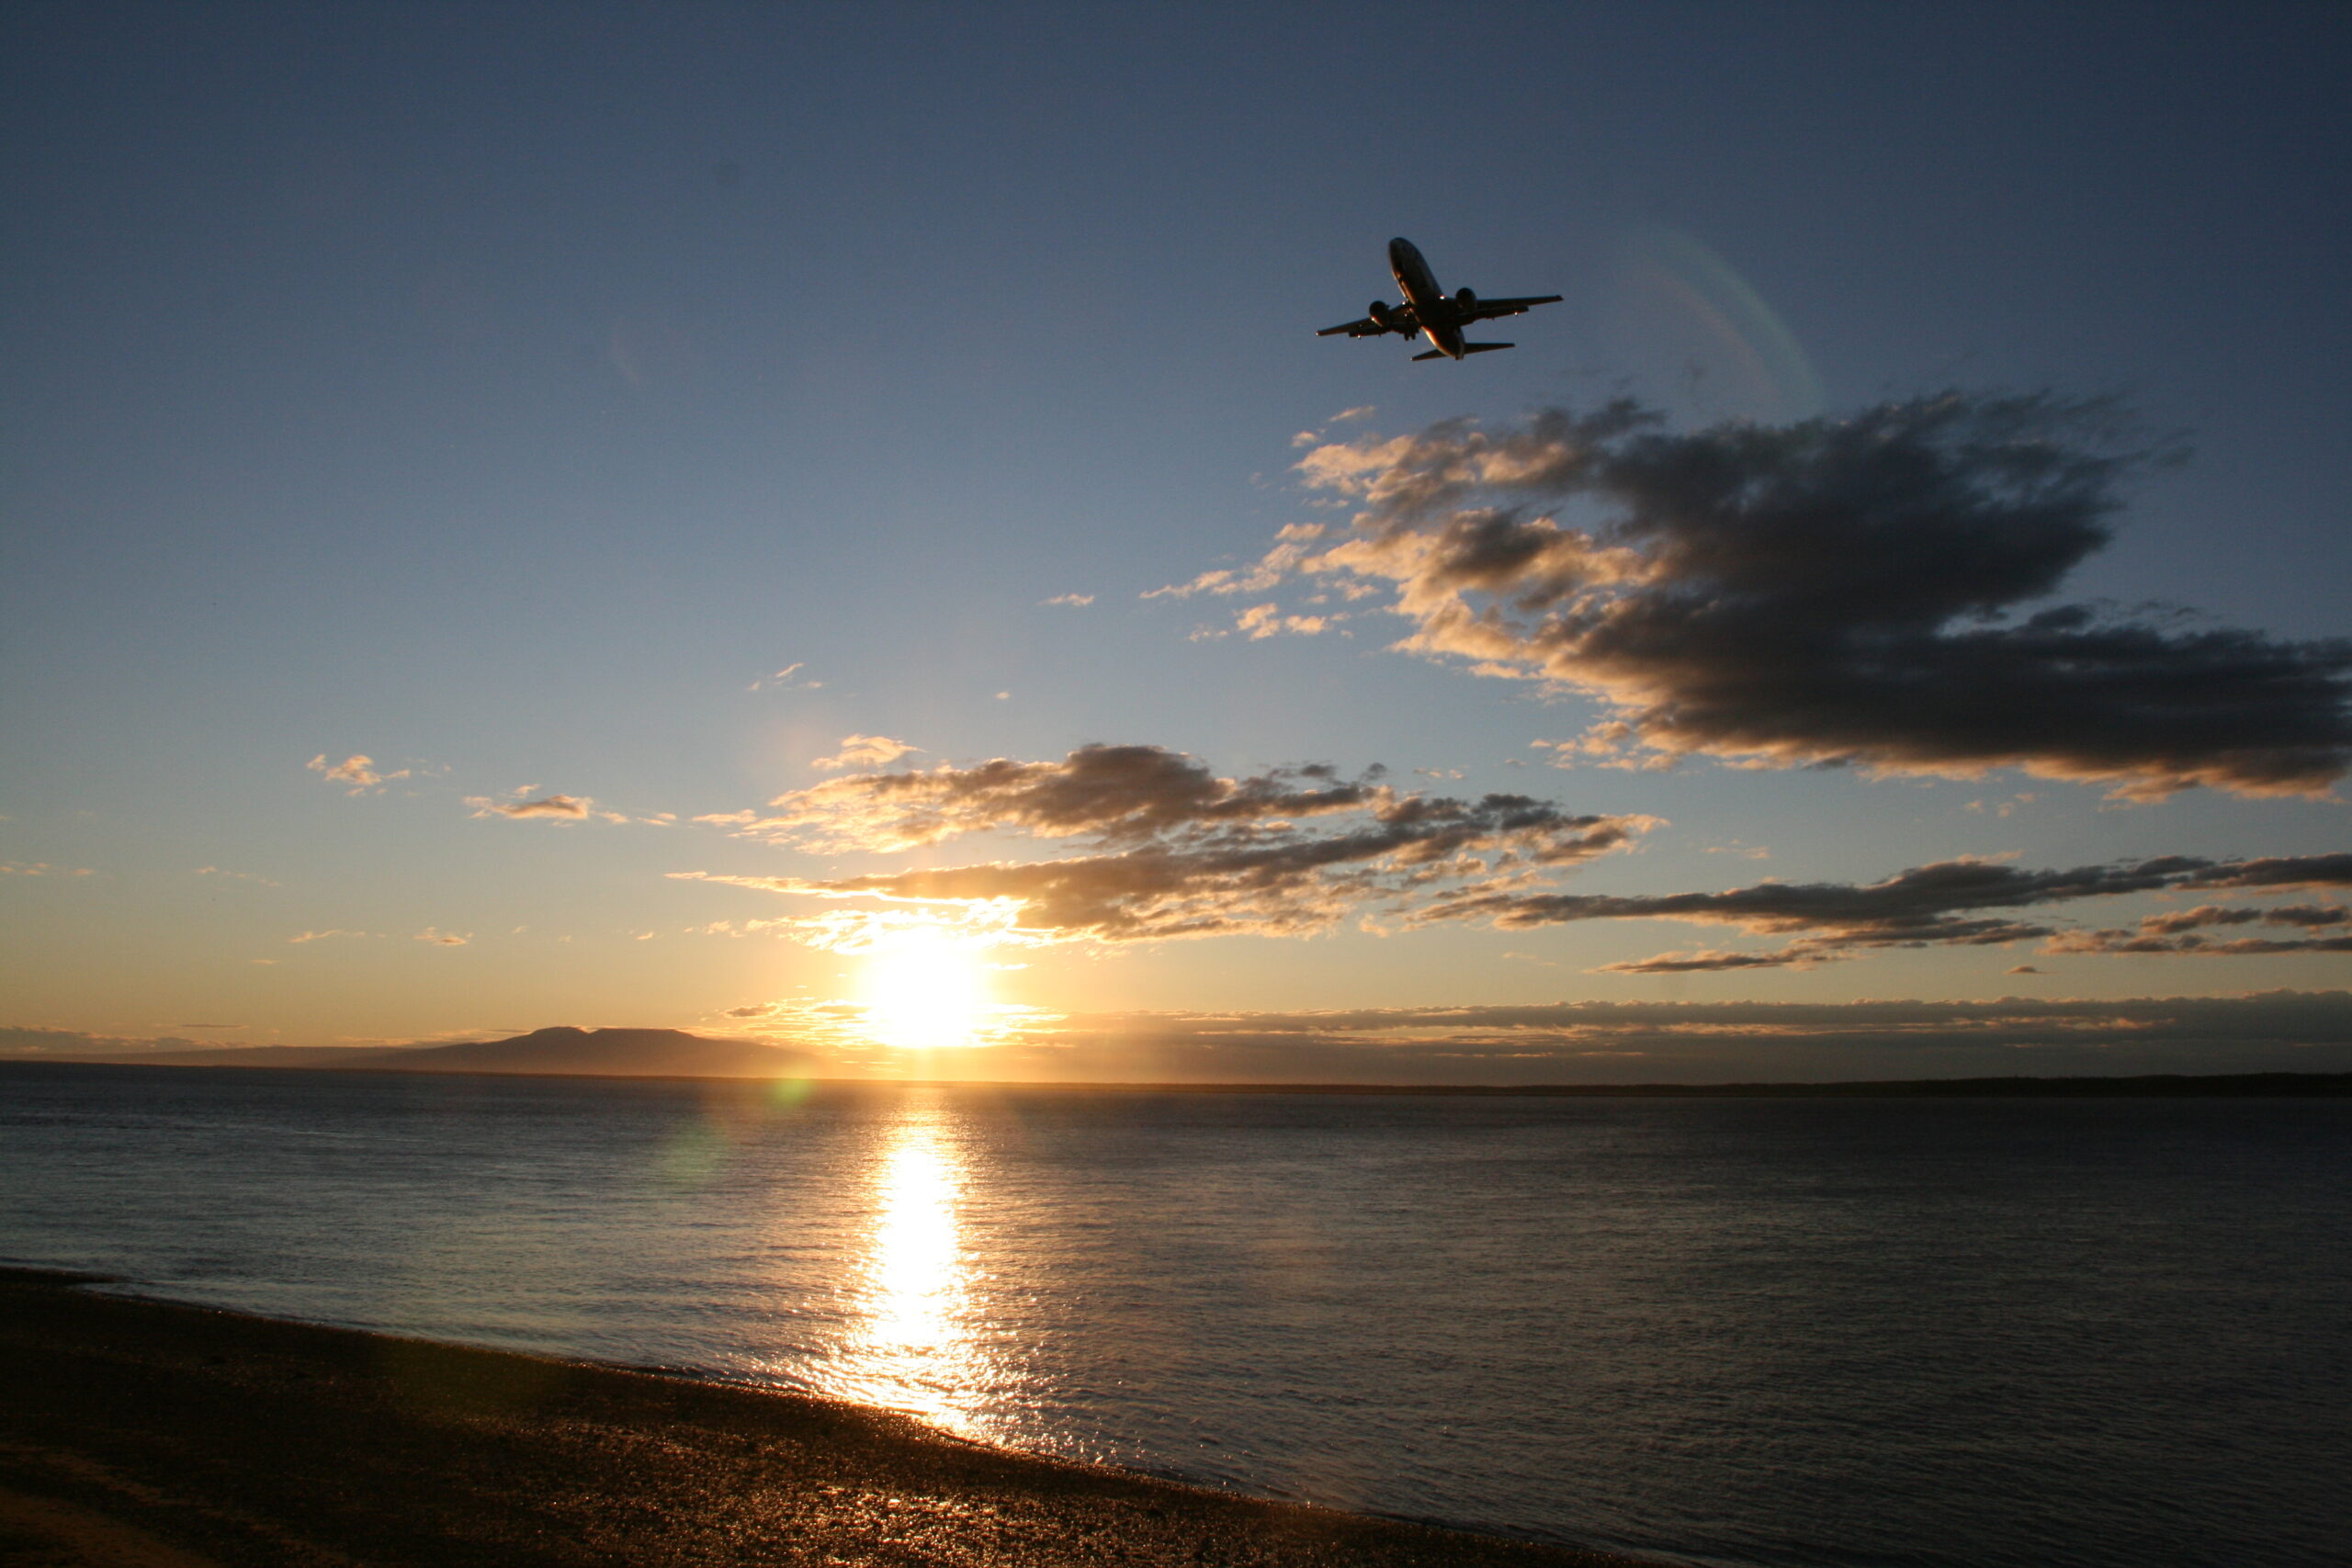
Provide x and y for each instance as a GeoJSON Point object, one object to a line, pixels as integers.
{"type": "Point", "coordinates": [143, 1435]}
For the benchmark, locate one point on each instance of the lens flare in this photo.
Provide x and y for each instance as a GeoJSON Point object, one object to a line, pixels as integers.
{"type": "Point", "coordinates": [1681, 312]}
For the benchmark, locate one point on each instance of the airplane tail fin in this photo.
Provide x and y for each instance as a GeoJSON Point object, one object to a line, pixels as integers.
{"type": "Point", "coordinates": [1486, 347]}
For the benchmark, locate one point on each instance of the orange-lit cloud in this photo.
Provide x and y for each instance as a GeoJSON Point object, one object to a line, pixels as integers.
{"type": "Point", "coordinates": [1125, 794]}
{"type": "Point", "coordinates": [1178, 851]}
{"type": "Point", "coordinates": [864, 751]}
{"type": "Point", "coordinates": [783, 679]}
{"type": "Point", "coordinates": [357, 769]}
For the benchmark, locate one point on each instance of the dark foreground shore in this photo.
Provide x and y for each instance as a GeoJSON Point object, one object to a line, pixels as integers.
{"type": "Point", "coordinates": [143, 1435]}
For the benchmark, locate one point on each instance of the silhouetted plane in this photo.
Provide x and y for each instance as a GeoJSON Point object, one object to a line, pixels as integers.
{"type": "Point", "coordinates": [1429, 309]}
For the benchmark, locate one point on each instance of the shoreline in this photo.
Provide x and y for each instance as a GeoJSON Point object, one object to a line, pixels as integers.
{"type": "Point", "coordinates": [148, 1434]}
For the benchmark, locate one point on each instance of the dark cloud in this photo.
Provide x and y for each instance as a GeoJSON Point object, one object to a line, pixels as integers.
{"type": "Point", "coordinates": [2183, 931]}
{"type": "Point", "coordinates": [1617, 1042]}
{"type": "Point", "coordinates": [2240, 947]}
{"type": "Point", "coordinates": [1868, 590]}
{"type": "Point", "coordinates": [1932, 905]}
{"type": "Point", "coordinates": [1180, 852]}
{"type": "Point", "coordinates": [2278, 872]}
{"type": "Point", "coordinates": [1694, 1042]}
{"type": "Point", "coordinates": [2309, 915]}
{"type": "Point", "coordinates": [21, 1042]}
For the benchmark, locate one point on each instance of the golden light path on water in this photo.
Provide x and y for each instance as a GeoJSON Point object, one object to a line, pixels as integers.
{"type": "Point", "coordinates": [912, 1336]}
{"type": "Point", "coordinates": [910, 1345]}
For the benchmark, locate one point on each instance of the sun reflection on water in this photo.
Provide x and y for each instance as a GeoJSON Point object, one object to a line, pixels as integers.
{"type": "Point", "coordinates": [910, 1346]}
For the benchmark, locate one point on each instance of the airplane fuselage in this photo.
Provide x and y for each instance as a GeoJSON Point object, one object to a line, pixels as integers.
{"type": "Point", "coordinates": [1429, 312]}
{"type": "Point", "coordinates": [1431, 306]}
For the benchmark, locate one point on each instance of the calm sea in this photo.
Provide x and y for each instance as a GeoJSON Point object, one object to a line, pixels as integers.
{"type": "Point", "coordinates": [1991, 1334]}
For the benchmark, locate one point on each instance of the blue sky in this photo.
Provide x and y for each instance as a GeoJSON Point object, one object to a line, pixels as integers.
{"type": "Point", "coordinates": [501, 393]}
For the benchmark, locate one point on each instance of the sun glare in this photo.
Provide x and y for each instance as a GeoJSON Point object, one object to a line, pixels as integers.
{"type": "Point", "coordinates": [925, 990]}
{"type": "Point", "coordinates": [911, 1344]}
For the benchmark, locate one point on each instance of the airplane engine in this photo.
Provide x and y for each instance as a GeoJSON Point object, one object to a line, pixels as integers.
{"type": "Point", "coordinates": [1467, 300]}
{"type": "Point", "coordinates": [1378, 312]}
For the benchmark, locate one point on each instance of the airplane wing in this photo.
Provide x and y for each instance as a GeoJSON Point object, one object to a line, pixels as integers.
{"type": "Point", "coordinates": [1488, 309]}
{"type": "Point", "coordinates": [1400, 320]}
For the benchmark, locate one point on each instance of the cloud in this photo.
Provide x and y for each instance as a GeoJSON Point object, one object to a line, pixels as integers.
{"type": "Point", "coordinates": [1176, 850]}
{"type": "Point", "coordinates": [2183, 931]}
{"type": "Point", "coordinates": [2278, 874]}
{"type": "Point", "coordinates": [42, 868]}
{"type": "Point", "coordinates": [1124, 793]}
{"type": "Point", "coordinates": [1261, 621]}
{"type": "Point", "coordinates": [18, 1042]}
{"type": "Point", "coordinates": [1936, 905]}
{"type": "Point", "coordinates": [1868, 591]}
{"type": "Point", "coordinates": [561, 807]}
{"type": "Point", "coordinates": [1708, 960]}
{"type": "Point", "coordinates": [784, 678]}
{"type": "Point", "coordinates": [359, 771]}
{"type": "Point", "coordinates": [1076, 600]}
{"type": "Point", "coordinates": [444, 938]}
{"type": "Point", "coordinates": [1600, 1042]}
{"type": "Point", "coordinates": [1688, 1041]}
{"type": "Point", "coordinates": [321, 936]}
{"type": "Point", "coordinates": [252, 876]}
{"type": "Point", "coordinates": [1293, 551]}
{"type": "Point", "coordinates": [2309, 915]}
{"type": "Point", "coordinates": [865, 751]}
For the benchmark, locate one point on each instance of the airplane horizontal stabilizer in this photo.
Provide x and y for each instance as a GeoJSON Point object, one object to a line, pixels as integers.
{"type": "Point", "coordinates": [1432, 353]}
{"type": "Point", "coordinates": [1486, 347]}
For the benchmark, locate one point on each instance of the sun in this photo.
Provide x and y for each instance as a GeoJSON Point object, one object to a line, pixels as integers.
{"type": "Point", "coordinates": [925, 990]}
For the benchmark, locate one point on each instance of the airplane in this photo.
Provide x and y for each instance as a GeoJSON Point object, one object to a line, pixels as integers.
{"type": "Point", "coordinates": [1429, 311]}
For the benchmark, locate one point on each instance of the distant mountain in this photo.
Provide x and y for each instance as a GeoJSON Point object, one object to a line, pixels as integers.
{"type": "Point", "coordinates": [618, 1052]}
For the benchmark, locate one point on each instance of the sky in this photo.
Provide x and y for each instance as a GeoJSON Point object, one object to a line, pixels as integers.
{"type": "Point", "coordinates": [834, 526]}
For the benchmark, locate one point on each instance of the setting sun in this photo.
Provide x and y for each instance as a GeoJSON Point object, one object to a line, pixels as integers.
{"type": "Point", "coordinates": [925, 989]}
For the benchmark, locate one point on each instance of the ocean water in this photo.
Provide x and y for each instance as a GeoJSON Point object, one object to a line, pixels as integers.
{"type": "Point", "coordinates": [1765, 1333]}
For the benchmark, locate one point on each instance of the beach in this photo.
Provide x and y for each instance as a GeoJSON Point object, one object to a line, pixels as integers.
{"type": "Point", "coordinates": [142, 1434]}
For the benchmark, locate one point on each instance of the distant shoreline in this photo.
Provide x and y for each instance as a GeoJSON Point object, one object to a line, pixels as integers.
{"type": "Point", "coordinates": [2145, 1086]}
{"type": "Point", "coordinates": [183, 1437]}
